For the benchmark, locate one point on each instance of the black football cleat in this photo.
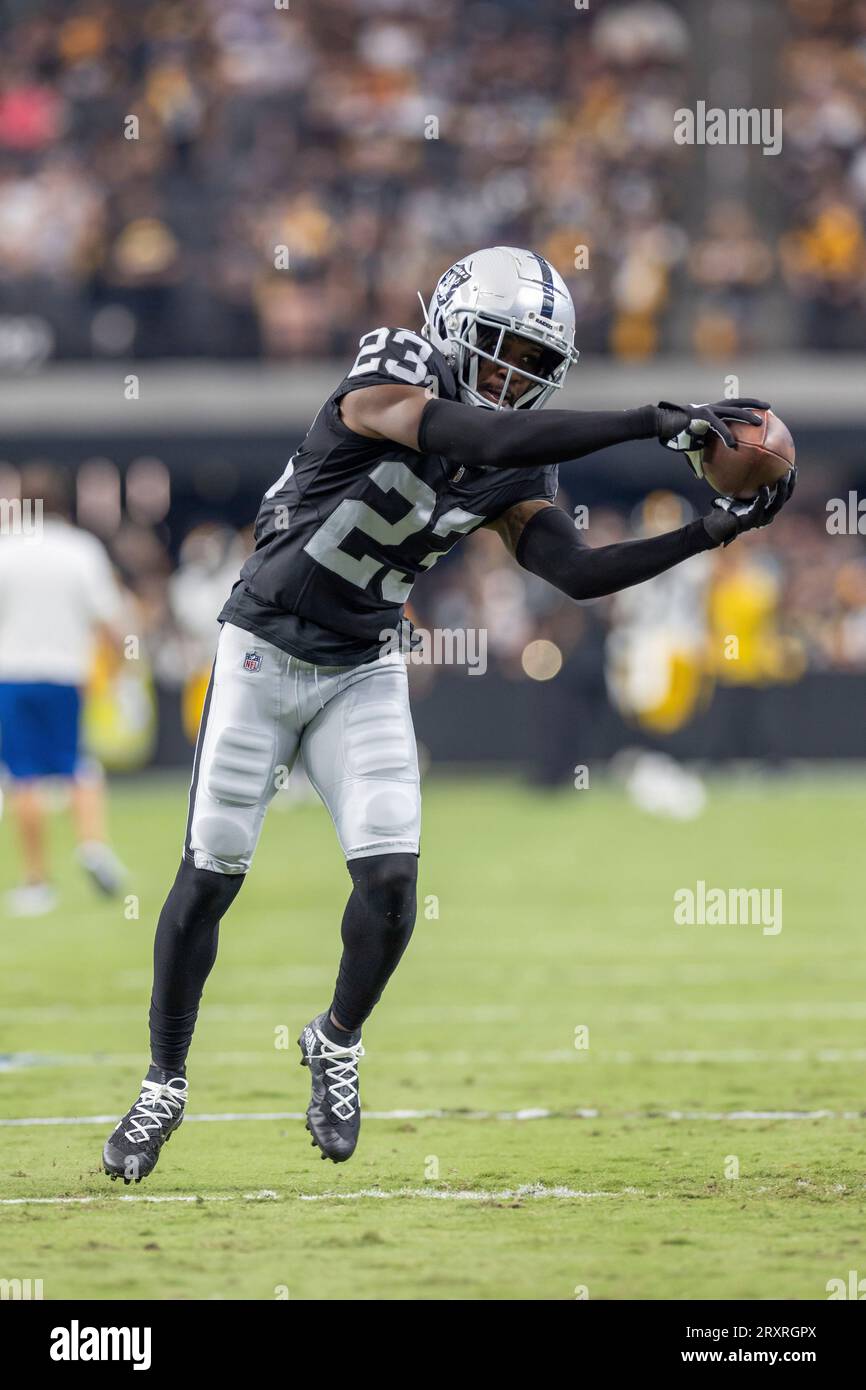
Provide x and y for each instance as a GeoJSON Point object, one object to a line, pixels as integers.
{"type": "Point", "coordinates": [133, 1148]}
{"type": "Point", "coordinates": [334, 1111]}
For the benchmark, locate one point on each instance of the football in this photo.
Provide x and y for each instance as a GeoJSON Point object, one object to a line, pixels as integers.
{"type": "Point", "coordinates": [763, 455]}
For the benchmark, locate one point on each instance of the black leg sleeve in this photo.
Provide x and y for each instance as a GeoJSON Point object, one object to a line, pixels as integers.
{"type": "Point", "coordinates": [377, 925]}
{"type": "Point", "coordinates": [184, 951]}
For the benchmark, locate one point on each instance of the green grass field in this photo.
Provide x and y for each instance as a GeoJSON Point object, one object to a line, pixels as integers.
{"type": "Point", "coordinates": [554, 913]}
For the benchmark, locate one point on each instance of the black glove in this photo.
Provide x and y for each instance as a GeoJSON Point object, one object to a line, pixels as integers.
{"type": "Point", "coordinates": [685, 428]}
{"type": "Point", "coordinates": [730, 518]}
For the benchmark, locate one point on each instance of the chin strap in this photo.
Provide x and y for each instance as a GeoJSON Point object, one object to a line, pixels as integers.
{"type": "Point", "coordinates": [425, 314]}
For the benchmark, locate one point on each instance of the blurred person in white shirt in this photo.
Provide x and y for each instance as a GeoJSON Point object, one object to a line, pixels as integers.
{"type": "Point", "coordinates": [58, 597]}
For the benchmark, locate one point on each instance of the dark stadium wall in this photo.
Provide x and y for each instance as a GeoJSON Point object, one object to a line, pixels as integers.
{"type": "Point", "coordinates": [563, 722]}
{"type": "Point", "coordinates": [222, 477]}
{"type": "Point", "coordinates": [546, 729]}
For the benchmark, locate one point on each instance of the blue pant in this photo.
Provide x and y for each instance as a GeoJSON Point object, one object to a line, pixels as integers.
{"type": "Point", "coordinates": [39, 729]}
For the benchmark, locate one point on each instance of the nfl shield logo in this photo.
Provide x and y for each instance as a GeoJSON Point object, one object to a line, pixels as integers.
{"type": "Point", "coordinates": [253, 661]}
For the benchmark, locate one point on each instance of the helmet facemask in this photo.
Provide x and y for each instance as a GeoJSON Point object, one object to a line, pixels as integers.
{"type": "Point", "coordinates": [483, 339]}
{"type": "Point", "coordinates": [481, 336]}
{"type": "Point", "coordinates": [486, 297]}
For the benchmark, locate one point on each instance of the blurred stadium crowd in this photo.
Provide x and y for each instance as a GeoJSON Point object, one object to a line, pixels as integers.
{"type": "Point", "coordinates": [793, 596]}
{"type": "Point", "coordinates": [377, 142]}
{"type": "Point", "coordinates": [244, 180]}
{"type": "Point", "coordinates": [788, 616]}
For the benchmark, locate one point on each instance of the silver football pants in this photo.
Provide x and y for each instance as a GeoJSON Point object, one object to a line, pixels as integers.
{"type": "Point", "coordinates": [352, 727]}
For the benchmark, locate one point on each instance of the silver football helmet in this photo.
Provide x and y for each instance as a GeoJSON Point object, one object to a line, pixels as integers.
{"type": "Point", "coordinates": [502, 290]}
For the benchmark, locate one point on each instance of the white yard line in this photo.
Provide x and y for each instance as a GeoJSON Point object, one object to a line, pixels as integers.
{"type": "Point", "coordinates": [533, 1190]}
{"type": "Point", "coordinates": [273, 1013]}
{"type": "Point", "coordinates": [509, 1115]}
{"type": "Point", "coordinates": [736, 1056]}
{"type": "Point", "coordinates": [527, 1190]}
{"type": "Point", "coordinates": [533, 1114]}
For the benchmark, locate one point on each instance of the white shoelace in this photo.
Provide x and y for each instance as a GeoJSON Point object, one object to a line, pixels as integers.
{"type": "Point", "coordinates": [155, 1104]}
{"type": "Point", "coordinates": [342, 1072]}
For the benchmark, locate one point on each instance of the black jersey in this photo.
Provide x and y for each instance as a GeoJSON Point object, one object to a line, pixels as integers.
{"type": "Point", "coordinates": [345, 531]}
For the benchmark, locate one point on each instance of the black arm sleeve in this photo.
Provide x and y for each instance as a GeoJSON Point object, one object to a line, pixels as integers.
{"type": "Point", "coordinates": [466, 434]}
{"type": "Point", "coordinates": [549, 547]}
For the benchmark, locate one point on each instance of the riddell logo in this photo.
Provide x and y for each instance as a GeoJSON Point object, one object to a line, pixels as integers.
{"type": "Point", "coordinates": [77, 1343]}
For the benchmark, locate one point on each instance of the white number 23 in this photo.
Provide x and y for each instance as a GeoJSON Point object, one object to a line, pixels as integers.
{"type": "Point", "coordinates": [415, 352]}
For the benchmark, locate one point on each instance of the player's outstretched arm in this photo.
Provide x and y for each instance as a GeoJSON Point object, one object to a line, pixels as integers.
{"type": "Point", "coordinates": [467, 435]}
{"type": "Point", "coordinates": [544, 541]}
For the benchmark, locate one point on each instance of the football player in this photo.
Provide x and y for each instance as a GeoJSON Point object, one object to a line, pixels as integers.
{"type": "Point", "coordinates": [427, 438]}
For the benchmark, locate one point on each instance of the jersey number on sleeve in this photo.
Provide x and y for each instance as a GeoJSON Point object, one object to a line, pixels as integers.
{"type": "Point", "coordinates": [413, 350]}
